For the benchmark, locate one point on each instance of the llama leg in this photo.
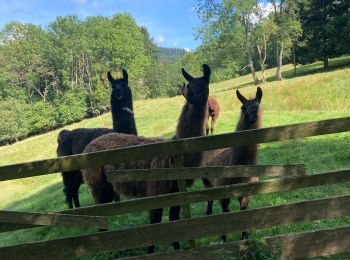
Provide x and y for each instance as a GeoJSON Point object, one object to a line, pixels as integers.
{"type": "Point", "coordinates": [225, 206]}
{"type": "Point", "coordinates": [69, 201]}
{"type": "Point", "coordinates": [155, 216]}
{"type": "Point", "coordinates": [174, 214]}
{"type": "Point", "coordinates": [209, 207]}
{"type": "Point", "coordinates": [206, 124]}
{"type": "Point", "coordinates": [76, 199]}
{"type": "Point", "coordinates": [103, 194]}
{"type": "Point", "coordinates": [213, 121]}
{"type": "Point", "coordinates": [75, 187]}
{"type": "Point", "coordinates": [208, 184]}
{"type": "Point", "coordinates": [243, 202]}
{"type": "Point", "coordinates": [116, 197]}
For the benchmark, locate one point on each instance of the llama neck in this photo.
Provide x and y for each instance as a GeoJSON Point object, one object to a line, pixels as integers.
{"type": "Point", "coordinates": [191, 124]}
{"type": "Point", "coordinates": [191, 121]}
{"type": "Point", "coordinates": [246, 154]}
{"type": "Point", "coordinates": [123, 117]}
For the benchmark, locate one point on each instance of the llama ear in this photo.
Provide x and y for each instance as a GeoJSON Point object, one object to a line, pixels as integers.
{"type": "Point", "coordinates": [125, 75]}
{"type": "Point", "coordinates": [241, 97]}
{"type": "Point", "coordinates": [187, 76]}
{"type": "Point", "coordinates": [206, 72]}
{"type": "Point", "coordinates": [259, 94]}
{"type": "Point", "coordinates": [110, 77]}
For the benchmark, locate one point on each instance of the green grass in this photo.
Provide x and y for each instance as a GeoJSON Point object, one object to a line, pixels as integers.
{"type": "Point", "coordinates": [312, 95]}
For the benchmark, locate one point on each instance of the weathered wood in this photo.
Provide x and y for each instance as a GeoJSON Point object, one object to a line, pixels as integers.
{"type": "Point", "coordinates": [53, 219]}
{"type": "Point", "coordinates": [186, 209]}
{"type": "Point", "coordinates": [175, 147]}
{"type": "Point", "coordinates": [206, 172]}
{"type": "Point", "coordinates": [186, 229]}
{"type": "Point", "coordinates": [323, 242]}
{"type": "Point", "coordinates": [183, 198]}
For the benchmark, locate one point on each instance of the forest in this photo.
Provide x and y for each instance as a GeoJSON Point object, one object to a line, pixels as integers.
{"type": "Point", "coordinates": [56, 75]}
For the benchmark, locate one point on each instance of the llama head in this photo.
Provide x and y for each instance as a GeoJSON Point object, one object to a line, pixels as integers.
{"type": "Point", "coordinates": [250, 107]}
{"type": "Point", "coordinates": [197, 89]}
{"type": "Point", "coordinates": [120, 87]}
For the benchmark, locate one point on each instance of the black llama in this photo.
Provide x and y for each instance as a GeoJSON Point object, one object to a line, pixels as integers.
{"type": "Point", "coordinates": [75, 141]}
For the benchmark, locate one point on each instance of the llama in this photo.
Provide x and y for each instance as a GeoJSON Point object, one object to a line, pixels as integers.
{"type": "Point", "coordinates": [190, 124]}
{"type": "Point", "coordinates": [212, 112]}
{"type": "Point", "coordinates": [250, 118]}
{"type": "Point", "coordinates": [75, 141]}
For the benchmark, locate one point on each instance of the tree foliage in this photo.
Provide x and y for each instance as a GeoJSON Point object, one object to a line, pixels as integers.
{"type": "Point", "coordinates": [56, 75]}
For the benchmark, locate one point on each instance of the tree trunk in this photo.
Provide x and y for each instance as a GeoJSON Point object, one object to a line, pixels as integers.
{"type": "Point", "coordinates": [294, 60]}
{"type": "Point", "coordinates": [252, 69]}
{"type": "Point", "coordinates": [279, 61]}
{"type": "Point", "coordinates": [325, 63]}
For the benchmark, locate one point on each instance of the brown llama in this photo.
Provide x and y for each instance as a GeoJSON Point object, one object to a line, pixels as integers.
{"type": "Point", "coordinates": [74, 141]}
{"type": "Point", "coordinates": [212, 112]}
{"type": "Point", "coordinates": [190, 124]}
{"type": "Point", "coordinates": [250, 118]}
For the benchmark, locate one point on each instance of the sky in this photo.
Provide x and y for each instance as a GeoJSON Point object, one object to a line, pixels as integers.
{"type": "Point", "coordinates": [171, 23]}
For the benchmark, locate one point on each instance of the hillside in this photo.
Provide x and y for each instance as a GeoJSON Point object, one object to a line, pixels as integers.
{"type": "Point", "coordinates": [170, 54]}
{"type": "Point", "coordinates": [313, 95]}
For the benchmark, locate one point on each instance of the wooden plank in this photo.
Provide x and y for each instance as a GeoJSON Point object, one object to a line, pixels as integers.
{"type": "Point", "coordinates": [323, 242]}
{"type": "Point", "coordinates": [175, 147]}
{"type": "Point", "coordinates": [183, 198]}
{"type": "Point", "coordinates": [186, 229]}
{"type": "Point", "coordinates": [53, 219]}
{"type": "Point", "coordinates": [206, 172]}
{"type": "Point", "coordinates": [186, 209]}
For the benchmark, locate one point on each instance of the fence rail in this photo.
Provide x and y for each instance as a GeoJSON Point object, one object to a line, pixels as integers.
{"type": "Point", "coordinates": [53, 219]}
{"type": "Point", "coordinates": [176, 147]}
{"type": "Point", "coordinates": [206, 172]}
{"type": "Point", "coordinates": [186, 229]}
{"type": "Point", "coordinates": [323, 242]}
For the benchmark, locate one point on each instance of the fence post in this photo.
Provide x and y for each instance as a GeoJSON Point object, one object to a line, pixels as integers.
{"type": "Point", "coordinates": [182, 187]}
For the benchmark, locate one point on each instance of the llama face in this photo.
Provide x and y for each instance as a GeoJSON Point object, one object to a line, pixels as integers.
{"type": "Point", "coordinates": [197, 89]}
{"type": "Point", "coordinates": [120, 88]}
{"type": "Point", "coordinates": [250, 107]}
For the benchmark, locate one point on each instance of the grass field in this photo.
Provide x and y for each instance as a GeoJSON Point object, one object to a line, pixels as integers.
{"type": "Point", "coordinates": [313, 94]}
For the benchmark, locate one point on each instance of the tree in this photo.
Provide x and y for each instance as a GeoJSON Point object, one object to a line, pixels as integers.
{"type": "Point", "coordinates": [263, 31]}
{"type": "Point", "coordinates": [326, 30]}
{"type": "Point", "coordinates": [288, 28]}
{"type": "Point", "coordinates": [229, 23]}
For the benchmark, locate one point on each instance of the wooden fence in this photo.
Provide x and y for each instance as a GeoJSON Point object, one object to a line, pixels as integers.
{"type": "Point", "coordinates": [297, 245]}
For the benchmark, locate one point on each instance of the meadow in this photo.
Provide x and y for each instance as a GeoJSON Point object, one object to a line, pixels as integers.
{"type": "Point", "coordinates": [313, 94]}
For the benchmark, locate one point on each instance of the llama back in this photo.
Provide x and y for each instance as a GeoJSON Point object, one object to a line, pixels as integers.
{"type": "Point", "coordinates": [133, 189]}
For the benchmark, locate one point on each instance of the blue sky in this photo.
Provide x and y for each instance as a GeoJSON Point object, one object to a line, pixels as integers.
{"type": "Point", "coordinates": [170, 22]}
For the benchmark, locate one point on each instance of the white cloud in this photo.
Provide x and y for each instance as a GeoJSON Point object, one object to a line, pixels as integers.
{"type": "Point", "coordinates": [187, 49]}
{"type": "Point", "coordinates": [159, 40]}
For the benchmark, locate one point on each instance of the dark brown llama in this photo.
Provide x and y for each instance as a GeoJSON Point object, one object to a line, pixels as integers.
{"type": "Point", "coordinates": [250, 118]}
{"type": "Point", "coordinates": [212, 112]}
{"type": "Point", "coordinates": [190, 124]}
{"type": "Point", "coordinates": [75, 141]}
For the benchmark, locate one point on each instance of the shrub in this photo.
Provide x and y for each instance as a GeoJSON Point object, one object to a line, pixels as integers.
{"type": "Point", "coordinates": [40, 117]}
{"type": "Point", "coordinates": [70, 107]}
{"type": "Point", "coordinates": [13, 119]}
